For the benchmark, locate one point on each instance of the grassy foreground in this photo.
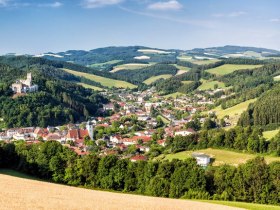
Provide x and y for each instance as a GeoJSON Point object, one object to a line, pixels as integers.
{"type": "Point", "coordinates": [220, 156]}
{"type": "Point", "coordinates": [102, 80]}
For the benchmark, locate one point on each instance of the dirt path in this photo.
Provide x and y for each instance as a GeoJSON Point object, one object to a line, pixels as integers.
{"type": "Point", "coordinates": [24, 194]}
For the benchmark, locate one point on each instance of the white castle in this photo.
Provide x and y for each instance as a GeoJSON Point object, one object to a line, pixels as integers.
{"type": "Point", "coordinates": [25, 86]}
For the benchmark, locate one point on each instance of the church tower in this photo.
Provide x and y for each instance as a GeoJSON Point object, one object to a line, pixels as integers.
{"type": "Point", "coordinates": [89, 127]}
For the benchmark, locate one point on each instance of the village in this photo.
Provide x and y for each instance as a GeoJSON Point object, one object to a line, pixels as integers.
{"type": "Point", "coordinates": [132, 122]}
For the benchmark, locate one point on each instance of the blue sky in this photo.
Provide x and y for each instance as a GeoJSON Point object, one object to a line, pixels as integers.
{"type": "Point", "coordinates": [36, 26]}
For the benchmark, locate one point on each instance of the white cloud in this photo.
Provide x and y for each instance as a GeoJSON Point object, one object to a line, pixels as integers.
{"type": "Point", "coordinates": [168, 5]}
{"type": "Point", "coordinates": [232, 14]}
{"type": "Point", "coordinates": [100, 3]}
{"type": "Point", "coordinates": [3, 3]}
{"type": "Point", "coordinates": [275, 20]}
{"type": "Point", "coordinates": [52, 5]}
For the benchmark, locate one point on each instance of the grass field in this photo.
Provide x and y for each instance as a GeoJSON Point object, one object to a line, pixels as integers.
{"type": "Point", "coordinates": [220, 156]}
{"type": "Point", "coordinates": [270, 134]}
{"type": "Point", "coordinates": [106, 63]}
{"type": "Point", "coordinates": [277, 78]}
{"type": "Point", "coordinates": [251, 206]}
{"type": "Point", "coordinates": [129, 66]}
{"type": "Point", "coordinates": [183, 68]}
{"type": "Point", "coordinates": [90, 86]}
{"type": "Point", "coordinates": [229, 68]}
{"type": "Point", "coordinates": [165, 121]}
{"type": "Point", "coordinates": [21, 194]}
{"type": "Point", "coordinates": [187, 82]}
{"type": "Point", "coordinates": [155, 78]}
{"type": "Point", "coordinates": [203, 62]}
{"type": "Point", "coordinates": [102, 80]}
{"type": "Point", "coordinates": [233, 112]}
{"type": "Point", "coordinates": [209, 85]}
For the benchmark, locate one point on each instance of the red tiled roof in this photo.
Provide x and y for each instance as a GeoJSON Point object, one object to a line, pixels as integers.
{"type": "Point", "coordinates": [138, 158]}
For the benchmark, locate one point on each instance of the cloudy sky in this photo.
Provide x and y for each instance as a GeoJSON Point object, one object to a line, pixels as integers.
{"type": "Point", "coordinates": [36, 26]}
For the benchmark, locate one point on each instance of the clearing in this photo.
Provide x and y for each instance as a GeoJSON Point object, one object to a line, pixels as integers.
{"type": "Point", "coordinates": [270, 134]}
{"type": "Point", "coordinates": [129, 66]}
{"type": "Point", "coordinates": [105, 63]}
{"type": "Point", "coordinates": [20, 194]}
{"type": "Point", "coordinates": [220, 156]}
{"type": "Point", "coordinates": [233, 112]}
{"type": "Point", "coordinates": [229, 68]}
{"type": "Point", "coordinates": [155, 78]}
{"type": "Point", "coordinates": [102, 80]}
{"type": "Point", "coordinates": [277, 78]}
{"type": "Point", "coordinates": [90, 86]}
{"type": "Point", "coordinates": [210, 85]}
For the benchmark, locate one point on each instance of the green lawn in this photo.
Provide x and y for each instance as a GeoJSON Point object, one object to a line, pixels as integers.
{"type": "Point", "coordinates": [102, 80]}
{"type": "Point", "coordinates": [209, 85]}
{"type": "Point", "coordinates": [182, 68]}
{"type": "Point", "coordinates": [90, 86]}
{"type": "Point", "coordinates": [229, 68]}
{"type": "Point", "coordinates": [250, 206]}
{"type": "Point", "coordinates": [165, 121]}
{"type": "Point", "coordinates": [220, 156]}
{"type": "Point", "coordinates": [270, 134]}
{"type": "Point", "coordinates": [155, 78]}
{"type": "Point", "coordinates": [233, 112]}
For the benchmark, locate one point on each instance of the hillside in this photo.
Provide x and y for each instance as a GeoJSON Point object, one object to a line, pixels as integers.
{"type": "Point", "coordinates": [21, 194]}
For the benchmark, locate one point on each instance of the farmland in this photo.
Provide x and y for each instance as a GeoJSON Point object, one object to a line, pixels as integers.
{"type": "Point", "coordinates": [220, 156]}
{"type": "Point", "coordinates": [210, 85]}
{"type": "Point", "coordinates": [270, 134]}
{"type": "Point", "coordinates": [102, 80]}
{"type": "Point", "coordinates": [229, 68]}
{"type": "Point", "coordinates": [155, 78]}
{"type": "Point", "coordinates": [106, 63]}
{"type": "Point", "coordinates": [19, 194]}
{"type": "Point", "coordinates": [90, 86]}
{"type": "Point", "coordinates": [129, 66]}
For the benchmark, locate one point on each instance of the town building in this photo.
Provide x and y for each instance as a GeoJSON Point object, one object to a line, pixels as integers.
{"type": "Point", "coordinates": [25, 86]}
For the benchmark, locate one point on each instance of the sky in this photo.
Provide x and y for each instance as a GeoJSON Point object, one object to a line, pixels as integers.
{"type": "Point", "coordinates": [37, 26]}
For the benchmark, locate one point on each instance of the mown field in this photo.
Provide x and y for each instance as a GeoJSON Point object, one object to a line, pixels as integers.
{"type": "Point", "coordinates": [210, 85]}
{"type": "Point", "coordinates": [233, 112]}
{"type": "Point", "coordinates": [102, 80]}
{"type": "Point", "coordinates": [220, 156]}
{"type": "Point", "coordinates": [229, 68]}
{"type": "Point", "coordinates": [129, 66]}
{"type": "Point", "coordinates": [155, 78]}
{"type": "Point", "coordinates": [270, 134]}
{"type": "Point", "coordinates": [106, 63]}
{"type": "Point", "coordinates": [21, 194]}
{"type": "Point", "coordinates": [90, 86]}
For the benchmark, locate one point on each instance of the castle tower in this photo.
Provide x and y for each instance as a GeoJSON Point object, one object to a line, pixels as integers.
{"type": "Point", "coordinates": [89, 127]}
{"type": "Point", "coordinates": [29, 79]}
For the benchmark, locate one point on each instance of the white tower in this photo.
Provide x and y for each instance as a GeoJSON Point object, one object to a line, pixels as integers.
{"type": "Point", "coordinates": [89, 127]}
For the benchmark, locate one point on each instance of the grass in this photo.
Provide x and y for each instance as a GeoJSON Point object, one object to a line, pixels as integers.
{"type": "Point", "coordinates": [129, 66]}
{"type": "Point", "coordinates": [102, 80]}
{"type": "Point", "coordinates": [229, 68]}
{"type": "Point", "coordinates": [165, 121]}
{"type": "Point", "coordinates": [220, 156]}
{"type": "Point", "coordinates": [186, 82]}
{"type": "Point", "coordinates": [209, 85]}
{"type": "Point", "coordinates": [182, 68]}
{"type": "Point", "coordinates": [90, 86]}
{"type": "Point", "coordinates": [203, 62]}
{"type": "Point", "coordinates": [20, 194]}
{"type": "Point", "coordinates": [233, 112]}
{"type": "Point", "coordinates": [106, 63]}
{"type": "Point", "coordinates": [155, 78]}
{"type": "Point", "coordinates": [251, 206]}
{"type": "Point", "coordinates": [270, 134]}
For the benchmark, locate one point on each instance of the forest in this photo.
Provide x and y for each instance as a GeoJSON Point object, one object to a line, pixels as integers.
{"type": "Point", "coordinates": [255, 181]}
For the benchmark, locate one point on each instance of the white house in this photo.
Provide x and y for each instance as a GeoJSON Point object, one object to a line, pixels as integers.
{"type": "Point", "coordinates": [184, 132]}
{"type": "Point", "coordinates": [201, 159]}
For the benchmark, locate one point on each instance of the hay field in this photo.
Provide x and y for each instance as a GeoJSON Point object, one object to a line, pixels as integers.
{"type": "Point", "coordinates": [107, 82]}
{"type": "Point", "coordinates": [155, 78]}
{"type": "Point", "coordinates": [21, 194]}
{"type": "Point", "coordinates": [229, 68]}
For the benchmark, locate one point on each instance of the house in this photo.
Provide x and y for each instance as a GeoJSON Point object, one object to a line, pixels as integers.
{"type": "Point", "coordinates": [202, 159]}
{"type": "Point", "coordinates": [161, 142]}
{"type": "Point", "coordinates": [117, 139]}
{"type": "Point", "coordinates": [136, 139]}
{"type": "Point", "coordinates": [76, 134]}
{"type": "Point", "coordinates": [185, 132]}
{"type": "Point", "coordinates": [138, 158]}
{"type": "Point", "coordinates": [109, 106]}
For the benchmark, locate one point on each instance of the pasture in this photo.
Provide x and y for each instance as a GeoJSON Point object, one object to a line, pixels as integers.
{"type": "Point", "coordinates": [229, 68]}
{"type": "Point", "coordinates": [107, 82]}
{"type": "Point", "coordinates": [210, 85]}
{"type": "Point", "coordinates": [155, 78]}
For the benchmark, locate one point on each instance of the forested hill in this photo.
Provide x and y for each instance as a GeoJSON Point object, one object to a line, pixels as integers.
{"type": "Point", "coordinates": [57, 101]}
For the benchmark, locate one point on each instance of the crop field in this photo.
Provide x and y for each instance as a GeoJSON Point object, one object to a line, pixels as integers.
{"type": "Point", "coordinates": [203, 62]}
{"type": "Point", "coordinates": [90, 86]}
{"type": "Point", "coordinates": [220, 156]}
{"type": "Point", "coordinates": [155, 78]}
{"type": "Point", "coordinates": [129, 66]}
{"type": "Point", "coordinates": [21, 194]}
{"type": "Point", "coordinates": [209, 85]}
{"type": "Point", "coordinates": [229, 68]}
{"type": "Point", "coordinates": [233, 112]}
{"type": "Point", "coordinates": [270, 134]}
{"type": "Point", "coordinates": [102, 80]}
